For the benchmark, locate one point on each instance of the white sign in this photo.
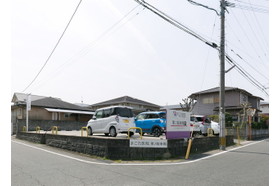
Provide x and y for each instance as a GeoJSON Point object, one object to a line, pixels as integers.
{"type": "Point", "coordinates": [177, 121]}
{"type": "Point", "coordinates": [148, 143]}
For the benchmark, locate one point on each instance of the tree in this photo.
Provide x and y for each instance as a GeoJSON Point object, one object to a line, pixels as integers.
{"type": "Point", "coordinates": [188, 104]}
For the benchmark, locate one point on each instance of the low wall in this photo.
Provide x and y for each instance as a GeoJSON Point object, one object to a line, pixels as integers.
{"type": "Point", "coordinates": [255, 133]}
{"type": "Point", "coordinates": [118, 149]}
{"type": "Point", "coordinates": [47, 124]}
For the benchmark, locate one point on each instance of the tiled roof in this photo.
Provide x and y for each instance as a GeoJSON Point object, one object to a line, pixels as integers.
{"type": "Point", "coordinates": [217, 89]}
{"type": "Point", "coordinates": [21, 97]}
{"type": "Point", "coordinates": [50, 102]}
{"type": "Point", "coordinates": [125, 99]}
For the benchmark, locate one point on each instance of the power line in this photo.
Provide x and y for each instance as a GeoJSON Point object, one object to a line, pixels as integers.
{"type": "Point", "coordinates": [256, 37]}
{"type": "Point", "coordinates": [253, 47]}
{"type": "Point", "coordinates": [249, 65]}
{"type": "Point", "coordinates": [184, 28]}
{"type": "Point", "coordinates": [246, 75]}
{"type": "Point", "coordinates": [260, 28]}
{"type": "Point", "coordinates": [54, 47]}
{"type": "Point", "coordinates": [241, 44]}
{"type": "Point", "coordinates": [175, 23]}
{"type": "Point", "coordinates": [198, 4]}
{"type": "Point", "coordinates": [117, 25]}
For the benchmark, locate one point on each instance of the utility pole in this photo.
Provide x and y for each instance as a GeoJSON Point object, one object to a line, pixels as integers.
{"type": "Point", "coordinates": [222, 79]}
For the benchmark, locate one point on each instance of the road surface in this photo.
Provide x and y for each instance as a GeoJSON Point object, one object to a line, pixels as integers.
{"type": "Point", "coordinates": [37, 164]}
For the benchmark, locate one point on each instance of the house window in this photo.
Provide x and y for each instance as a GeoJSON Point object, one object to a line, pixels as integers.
{"type": "Point", "coordinates": [243, 98]}
{"type": "Point", "coordinates": [55, 116]}
{"type": "Point", "coordinates": [208, 100]}
{"type": "Point", "coordinates": [19, 113]}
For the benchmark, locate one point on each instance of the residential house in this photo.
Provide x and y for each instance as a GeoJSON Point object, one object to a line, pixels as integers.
{"type": "Point", "coordinates": [137, 105]}
{"type": "Point", "coordinates": [207, 102]}
{"type": "Point", "coordinates": [47, 109]}
{"type": "Point", "coordinates": [264, 107]}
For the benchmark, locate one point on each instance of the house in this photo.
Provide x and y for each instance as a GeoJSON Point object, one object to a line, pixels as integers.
{"type": "Point", "coordinates": [137, 105]}
{"type": "Point", "coordinates": [264, 107]}
{"type": "Point", "coordinates": [47, 110]}
{"type": "Point", "coordinates": [207, 102]}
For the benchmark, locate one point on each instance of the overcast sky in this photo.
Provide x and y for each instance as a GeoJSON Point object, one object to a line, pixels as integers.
{"type": "Point", "coordinates": [142, 56]}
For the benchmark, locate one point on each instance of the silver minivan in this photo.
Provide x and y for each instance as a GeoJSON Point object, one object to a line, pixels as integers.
{"type": "Point", "coordinates": [111, 121]}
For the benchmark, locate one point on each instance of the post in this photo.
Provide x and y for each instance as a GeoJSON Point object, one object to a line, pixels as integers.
{"type": "Point", "coordinates": [28, 107]}
{"type": "Point", "coordinates": [26, 117]}
{"type": "Point", "coordinates": [222, 79]}
{"type": "Point", "coordinates": [188, 149]}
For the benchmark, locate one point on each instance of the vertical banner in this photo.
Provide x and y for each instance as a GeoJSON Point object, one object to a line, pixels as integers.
{"type": "Point", "coordinates": [28, 102]}
{"type": "Point", "coordinates": [28, 108]}
{"type": "Point", "coordinates": [177, 124]}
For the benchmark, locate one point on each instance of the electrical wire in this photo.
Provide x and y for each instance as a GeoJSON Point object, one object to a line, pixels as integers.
{"type": "Point", "coordinates": [117, 25]}
{"type": "Point", "coordinates": [53, 50]}
{"type": "Point", "coordinates": [250, 65]}
{"type": "Point", "coordinates": [198, 4]}
{"type": "Point", "coordinates": [207, 56]}
{"type": "Point", "coordinates": [184, 28]}
{"type": "Point", "coordinates": [241, 44]}
{"type": "Point", "coordinates": [245, 33]}
{"type": "Point", "coordinates": [175, 23]}
{"type": "Point", "coordinates": [254, 34]}
{"type": "Point", "coordinates": [260, 28]}
{"type": "Point", "coordinates": [246, 75]}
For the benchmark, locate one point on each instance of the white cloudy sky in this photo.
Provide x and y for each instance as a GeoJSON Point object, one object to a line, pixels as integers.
{"type": "Point", "coordinates": [143, 56]}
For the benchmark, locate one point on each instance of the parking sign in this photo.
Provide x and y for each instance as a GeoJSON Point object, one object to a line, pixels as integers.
{"type": "Point", "coordinates": [177, 124]}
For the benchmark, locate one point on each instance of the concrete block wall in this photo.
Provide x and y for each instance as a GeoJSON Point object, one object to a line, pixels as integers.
{"type": "Point", "coordinates": [118, 149]}
{"type": "Point", "coordinates": [47, 124]}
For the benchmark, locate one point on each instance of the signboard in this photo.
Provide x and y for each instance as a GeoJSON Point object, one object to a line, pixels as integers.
{"type": "Point", "coordinates": [148, 143]}
{"type": "Point", "coordinates": [177, 124]}
{"type": "Point", "coordinates": [251, 112]}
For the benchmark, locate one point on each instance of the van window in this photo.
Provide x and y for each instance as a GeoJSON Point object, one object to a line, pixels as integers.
{"type": "Point", "coordinates": [106, 113]}
{"type": "Point", "coordinates": [99, 114]}
{"type": "Point", "coordinates": [123, 112]}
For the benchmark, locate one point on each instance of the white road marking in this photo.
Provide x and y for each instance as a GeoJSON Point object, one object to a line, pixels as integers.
{"type": "Point", "coordinates": [134, 164]}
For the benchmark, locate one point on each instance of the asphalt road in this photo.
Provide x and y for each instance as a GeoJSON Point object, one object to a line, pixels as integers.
{"type": "Point", "coordinates": [36, 164]}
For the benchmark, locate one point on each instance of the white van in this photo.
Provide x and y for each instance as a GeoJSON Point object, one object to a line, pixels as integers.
{"type": "Point", "coordinates": [112, 120]}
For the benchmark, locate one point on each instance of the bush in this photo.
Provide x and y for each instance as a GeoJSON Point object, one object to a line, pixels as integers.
{"type": "Point", "coordinates": [259, 125]}
{"type": "Point", "coordinates": [214, 118]}
{"type": "Point", "coordinates": [228, 119]}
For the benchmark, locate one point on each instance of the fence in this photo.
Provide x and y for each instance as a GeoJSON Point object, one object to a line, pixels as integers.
{"type": "Point", "coordinates": [255, 133]}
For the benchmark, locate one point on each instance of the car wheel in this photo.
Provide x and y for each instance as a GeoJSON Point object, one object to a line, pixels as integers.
{"type": "Point", "coordinates": [131, 134]}
{"type": "Point", "coordinates": [89, 131]}
{"type": "Point", "coordinates": [113, 132]}
{"type": "Point", "coordinates": [156, 132]}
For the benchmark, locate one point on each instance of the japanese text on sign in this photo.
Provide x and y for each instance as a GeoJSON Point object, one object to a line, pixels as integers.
{"type": "Point", "coordinates": [148, 143]}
